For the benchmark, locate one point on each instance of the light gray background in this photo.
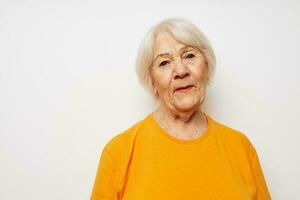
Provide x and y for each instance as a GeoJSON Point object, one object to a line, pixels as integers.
{"type": "Point", "coordinates": [68, 85]}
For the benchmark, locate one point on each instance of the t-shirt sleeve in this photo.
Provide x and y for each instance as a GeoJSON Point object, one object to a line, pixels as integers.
{"type": "Point", "coordinates": [262, 192]}
{"type": "Point", "coordinates": [107, 178]}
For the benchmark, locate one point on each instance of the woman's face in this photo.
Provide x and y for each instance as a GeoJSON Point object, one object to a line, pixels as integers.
{"type": "Point", "coordinates": [178, 73]}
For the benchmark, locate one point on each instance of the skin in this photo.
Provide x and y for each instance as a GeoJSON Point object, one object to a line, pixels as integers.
{"type": "Point", "coordinates": [176, 65]}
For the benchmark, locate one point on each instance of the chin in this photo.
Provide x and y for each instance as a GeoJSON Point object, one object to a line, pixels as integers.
{"type": "Point", "coordinates": [186, 104]}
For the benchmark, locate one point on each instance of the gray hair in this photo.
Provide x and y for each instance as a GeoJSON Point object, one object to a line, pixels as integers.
{"type": "Point", "coordinates": [185, 32]}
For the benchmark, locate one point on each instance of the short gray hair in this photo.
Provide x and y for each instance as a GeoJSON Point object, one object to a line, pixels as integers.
{"type": "Point", "coordinates": [185, 32]}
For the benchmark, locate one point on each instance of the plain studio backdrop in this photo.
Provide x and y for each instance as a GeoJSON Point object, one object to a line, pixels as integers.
{"type": "Point", "coordinates": [68, 85]}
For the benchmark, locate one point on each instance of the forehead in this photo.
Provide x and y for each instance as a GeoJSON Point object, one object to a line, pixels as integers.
{"type": "Point", "coordinates": [167, 43]}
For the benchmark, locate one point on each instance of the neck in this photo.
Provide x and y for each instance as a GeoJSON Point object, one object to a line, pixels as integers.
{"type": "Point", "coordinates": [179, 122]}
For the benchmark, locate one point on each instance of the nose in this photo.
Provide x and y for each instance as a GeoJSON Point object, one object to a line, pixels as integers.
{"type": "Point", "coordinates": [180, 71]}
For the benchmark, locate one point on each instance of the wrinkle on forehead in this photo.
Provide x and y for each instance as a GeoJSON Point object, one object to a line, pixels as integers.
{"type": "Point", "coordinates": [162, 46]}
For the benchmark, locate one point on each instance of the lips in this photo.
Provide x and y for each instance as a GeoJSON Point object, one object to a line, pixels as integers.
{"type": "Point", "coordinates": [185, 88]}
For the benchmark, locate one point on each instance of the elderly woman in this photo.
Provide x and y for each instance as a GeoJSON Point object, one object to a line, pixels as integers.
{"type": "Point", "coordinates": [178, 152]}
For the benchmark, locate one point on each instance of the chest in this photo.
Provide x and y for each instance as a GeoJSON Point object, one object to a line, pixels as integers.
{"type": "Point", "coordinates": [175, 173]}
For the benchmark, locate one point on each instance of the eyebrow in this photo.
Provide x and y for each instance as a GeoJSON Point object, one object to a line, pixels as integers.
{"type": "Point", "coordinates": [166, 54]}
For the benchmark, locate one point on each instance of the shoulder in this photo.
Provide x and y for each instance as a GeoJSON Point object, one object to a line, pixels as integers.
{"type": "Point", "coordinates": [234, 136]}
{"type": "Point", "coordinates": [124, 137]}
{"type": "Point", "coordinates": [122, 144]}
{"type": "Point", "coordinates": [229, 132]}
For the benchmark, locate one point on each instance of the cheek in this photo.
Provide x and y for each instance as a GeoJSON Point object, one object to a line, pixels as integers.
{"type": "Point", "coordinates": [161, 80]}
{"type": "Point", "coordinates": [199, 72]}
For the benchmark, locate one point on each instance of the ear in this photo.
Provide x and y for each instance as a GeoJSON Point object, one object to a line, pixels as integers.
{"type": "Point", "coordinates": [154, 90]}
{"type": "Point", "coordinates": [206, 73]}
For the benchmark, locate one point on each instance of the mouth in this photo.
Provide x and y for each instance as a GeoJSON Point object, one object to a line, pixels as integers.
{"type": "Point", "coordinates": [184, 89]}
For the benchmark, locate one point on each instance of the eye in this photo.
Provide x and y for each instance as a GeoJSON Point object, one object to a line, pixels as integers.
{"type": "Point", "coordinates": [190, 55]}
{"type": "Point", "coordinates": [163, 63]}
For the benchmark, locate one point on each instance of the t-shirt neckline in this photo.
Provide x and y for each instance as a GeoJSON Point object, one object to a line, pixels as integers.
{"type": "Point", "coordinates": [182, 141]}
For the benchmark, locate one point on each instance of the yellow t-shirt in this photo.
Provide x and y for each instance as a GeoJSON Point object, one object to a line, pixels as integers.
{"type": "Point", "coordinates": [146, 163]}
